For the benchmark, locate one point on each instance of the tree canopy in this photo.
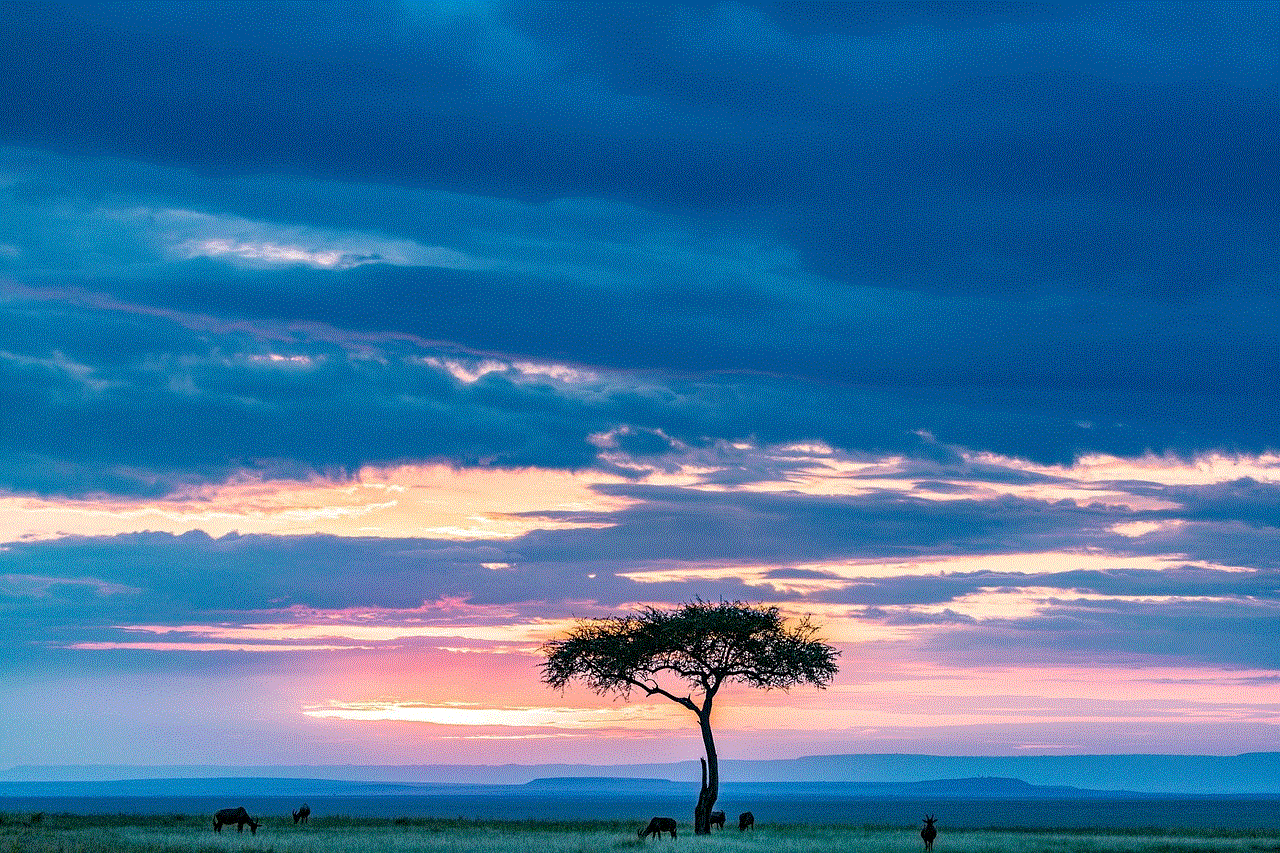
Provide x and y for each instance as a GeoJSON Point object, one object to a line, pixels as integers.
{"type": "Point", "coordinates": [701, 644]}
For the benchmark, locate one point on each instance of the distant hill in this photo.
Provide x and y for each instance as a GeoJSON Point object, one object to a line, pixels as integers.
{"type": "Point", "coordinates": [556, 788]}
{"type": "Point", "coordinates": [226, 786]}
{"type": "Point", "coordinates": [1251, 773]}
{"type": "Point", "coordinates": [985, 786]}
{"type": "Point", "coordinates": [604, 783]}
{"type": "Point", "coordinates": [994, 786]}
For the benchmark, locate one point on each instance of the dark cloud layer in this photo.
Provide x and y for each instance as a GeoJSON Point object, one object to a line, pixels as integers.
{"type": "Point", "coordinates": [131, 402]}
{"type": "Point", "coordinates": [1037, 231]}
{"type": "Point", "coordinates": [553, 99]}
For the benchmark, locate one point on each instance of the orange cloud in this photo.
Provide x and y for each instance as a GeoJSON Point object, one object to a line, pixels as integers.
{"type": "Point", "coordinates": [433, 501]}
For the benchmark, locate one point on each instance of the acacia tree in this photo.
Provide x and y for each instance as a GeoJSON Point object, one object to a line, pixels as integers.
{"type": "Point", "coordinates": [686, 655]}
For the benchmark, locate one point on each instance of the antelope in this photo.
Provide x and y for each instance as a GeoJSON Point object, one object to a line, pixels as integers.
{"type": "Point", "coordinates": [301, 815]}
{"type": "Point", "coordinates": [929, 833]}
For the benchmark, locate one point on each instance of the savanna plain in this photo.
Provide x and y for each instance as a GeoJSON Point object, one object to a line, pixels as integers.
{"type": "Point", "coordinates": [65, 833]}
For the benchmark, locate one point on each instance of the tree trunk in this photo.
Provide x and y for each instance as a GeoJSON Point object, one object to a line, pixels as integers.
{"type": "Point", "coordinates": [710, 780]}
{"type": "Point", "coordinates": [701, 812]}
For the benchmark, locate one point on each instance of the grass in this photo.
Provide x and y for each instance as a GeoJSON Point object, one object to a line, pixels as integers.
{"type": "Point", "coordinates": [60, 833]}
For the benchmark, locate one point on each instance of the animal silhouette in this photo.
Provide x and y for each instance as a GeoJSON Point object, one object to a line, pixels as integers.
{"type": "Point", "coordinates": [746, 820]}
{"type": "Point", "coordinates": [657, 826]}
{"type": "Point", "coordinates": [301, 815]}
{"type": "Point", "coordinates": [716, 819]}
{"type": "Point", "coordinates": [929, 833]}
{"type": "Point", "coordinates": [238, 816]}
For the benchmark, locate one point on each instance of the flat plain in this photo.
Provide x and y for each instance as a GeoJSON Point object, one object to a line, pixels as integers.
{"type": "Point", "coordinates": [64, 833]}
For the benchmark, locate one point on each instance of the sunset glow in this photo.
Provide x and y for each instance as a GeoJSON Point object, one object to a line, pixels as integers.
{"type": "Point", "coordinates": [458, 715]}
{"type": "Point", "coordinates": [431, 501]}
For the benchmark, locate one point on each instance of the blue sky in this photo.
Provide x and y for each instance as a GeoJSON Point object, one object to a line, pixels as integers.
{"type": "Point", "coordinates": [349, 351]}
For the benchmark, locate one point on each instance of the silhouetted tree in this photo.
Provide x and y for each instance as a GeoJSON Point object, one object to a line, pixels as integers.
{"type": "Point", "coordinates": [700, 646]}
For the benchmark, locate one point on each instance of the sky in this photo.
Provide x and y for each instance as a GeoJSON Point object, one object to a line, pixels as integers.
{"type": "Point", "coordinates": [349, 352]}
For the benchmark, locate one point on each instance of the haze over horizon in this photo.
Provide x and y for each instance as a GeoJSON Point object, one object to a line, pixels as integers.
{"type": "Point", "coordinates": [350, 351]}
{"type": "Point", "coordinates": [1059, 777]}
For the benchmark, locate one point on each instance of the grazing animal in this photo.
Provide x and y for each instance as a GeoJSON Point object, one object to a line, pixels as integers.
{"type": "Point", "coordinates": [657, 826]}
{"type": "Point", "coordinates": [237, 816]}
{"type": "Point", "coordinates": [929, 833]}
{"type": "Point", "coordinates": [746, 820]}
{"type": "Point", "coordinates": [301, 815]}
{"type": "Point", "coordinates": [716, 819]}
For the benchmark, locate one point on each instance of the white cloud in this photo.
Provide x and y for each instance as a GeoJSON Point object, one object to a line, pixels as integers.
{"type": "Point", "coordinates": [191, 234]}
{"type": "Point", "coordinates": [59, 363]}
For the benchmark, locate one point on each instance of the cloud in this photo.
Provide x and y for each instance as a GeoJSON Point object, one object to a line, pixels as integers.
{"type": "Point", "coordinates": [951, 324]}
{"type": "Point", "coordinates": [158, 395]}
{"type": "Point", "coordinates": [459, 714]}
{"type": "Point", "coordinates": [14, 587]}
{"type": "Point", "coordinates": [1245, 500]}
{"type": "Point", "coordinates": [1009, 566]}
{"type": "Point", "coordinates": [728, 328]}
{"type": "Point", "coordinates": [188, 234]}
{"type": "Point", "coordinates": [1125, 633]}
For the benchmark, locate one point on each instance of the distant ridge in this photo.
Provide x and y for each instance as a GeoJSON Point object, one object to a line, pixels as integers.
{"type": "Point", "coordinates": [600, 783]}
{"type": "Point", "coordinates": [1250, 773]}
{"type": "Point", "coordinates": [556, 788]}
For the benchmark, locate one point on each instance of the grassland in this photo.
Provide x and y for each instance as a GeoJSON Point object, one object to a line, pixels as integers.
{"type": "Point", "coordinates": [27, 833]}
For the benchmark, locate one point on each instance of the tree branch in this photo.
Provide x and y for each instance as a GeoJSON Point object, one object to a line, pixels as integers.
{"type": "Point", "coordinates": [653, 689]}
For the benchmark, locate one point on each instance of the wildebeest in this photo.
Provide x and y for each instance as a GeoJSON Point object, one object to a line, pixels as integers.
{"type": "Point", "coordinates": [238, 816]}
{"type": "Point", "coordinates": [301, 815]}
{"type": "Point", "coordinates": [746, 820]}
{"type": "Point", "coordinates": [716, 819]}
{"type": "Point", "coordinates": [929, 833]}
{"type": "Point", "coordinates": [657, 826]}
